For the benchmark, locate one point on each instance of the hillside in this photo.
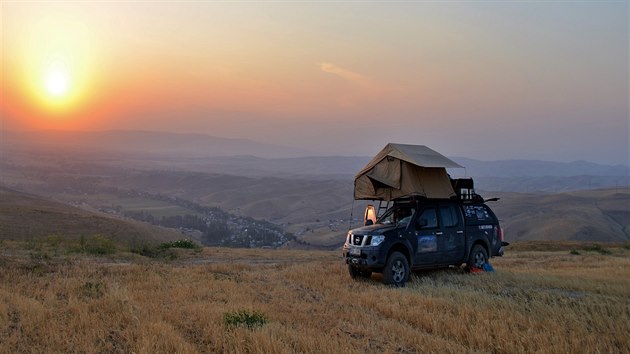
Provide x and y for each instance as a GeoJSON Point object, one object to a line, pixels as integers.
{"type": "Point", "coordinates": [320, 206]}
{"type": "Point", "coordinates": [310, 197]}
{"type": "Point", "coordinates": [595, 215]}
{"type": "Point", "coordinates": [317, 211]}
{"type": "Point", "coordinates": [29, 217]}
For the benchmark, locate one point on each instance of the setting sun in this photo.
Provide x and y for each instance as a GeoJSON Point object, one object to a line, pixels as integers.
{"type": "Point", "coordinates": [57, 80]}
{"type": "Point", "coordinates": [56, 76]}
{"type": "Point", "coordinates": [56, 85]}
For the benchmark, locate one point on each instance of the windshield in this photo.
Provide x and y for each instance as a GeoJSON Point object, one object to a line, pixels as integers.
{"type": "Point", "coordinates": [400, 216]}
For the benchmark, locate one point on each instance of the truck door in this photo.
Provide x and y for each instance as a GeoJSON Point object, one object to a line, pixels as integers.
{"type": "Point", "coordinates": [452, 238]}
{"type": "Point", "coordinates": [426, 235]}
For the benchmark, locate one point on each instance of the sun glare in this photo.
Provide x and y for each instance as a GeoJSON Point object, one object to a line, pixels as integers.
{"type": "Point", "coordinates": [58, 61]}
{"type": "Point", "coordinates": [57, 81]}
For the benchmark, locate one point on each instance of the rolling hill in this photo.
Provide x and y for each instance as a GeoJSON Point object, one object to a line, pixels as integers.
{"type": "Point", "coordinates": [28, 217]}
{"type": "Point", "coordinates": [594, 215]}
{"type": "Point", "coordinates": [318, 211]}
{"type": "Point", "coordinates": [308, 196]}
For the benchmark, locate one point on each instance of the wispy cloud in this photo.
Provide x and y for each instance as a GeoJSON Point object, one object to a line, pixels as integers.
{"type": "Point", "coordinates": [361, 87]}
{"type": "Point", "coordinates": [348, 75]}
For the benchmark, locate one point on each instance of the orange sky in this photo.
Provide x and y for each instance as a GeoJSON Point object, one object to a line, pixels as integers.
{"type": "Point", "coordinates": [479, 79]}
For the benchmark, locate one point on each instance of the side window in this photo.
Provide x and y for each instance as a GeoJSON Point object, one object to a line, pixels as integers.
{"type": "Point", "coordinates": [449, 216]}
{"type": "Point", "coordinates": [428, 219]}
{"type": "Point", "coordinates": [404, 216]}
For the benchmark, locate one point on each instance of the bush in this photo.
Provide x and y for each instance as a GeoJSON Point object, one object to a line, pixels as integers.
{"type": "Point", "coordinates": [186, 244]}
{"type": "Point", "coordinates": [596, 248]}
{"type": "Point", "coordinates": [98, 245]}
{"type": "Point", "coordinates": [575, 252]}
{"type": "Point", "coordinates": [154, 251]}
{"type": "Point", "coordinates": [249, 319]}
{"type": "Point", "coordinates": [146, 250]}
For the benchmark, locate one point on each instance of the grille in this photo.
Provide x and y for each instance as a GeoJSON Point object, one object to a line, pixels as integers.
{"type": "Point", "coordinates": [360, 240]}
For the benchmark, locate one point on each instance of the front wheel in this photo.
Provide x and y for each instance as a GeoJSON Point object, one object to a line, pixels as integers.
{"type": "Point", "coordinates": [396, 271]}
{"type": "Point", "coordinates": [478, 257]}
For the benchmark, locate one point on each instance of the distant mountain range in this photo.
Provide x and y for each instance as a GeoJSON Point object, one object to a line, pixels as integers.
{"type": "Point", "coordinates": [145, 142]}
{"type": "Point", "coordinates": [250, 158]}
{"type": "Point", "coordinates": [536, 168]}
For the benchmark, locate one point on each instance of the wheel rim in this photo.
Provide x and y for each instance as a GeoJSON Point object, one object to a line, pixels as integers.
{"type": "Point", "coordinates": [398, 271]}
{"type": "Point", "coordinates": [480, 259]}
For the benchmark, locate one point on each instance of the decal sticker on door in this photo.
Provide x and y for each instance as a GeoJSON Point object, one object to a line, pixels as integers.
{"type": "Point", "coordinates": [427, 244]}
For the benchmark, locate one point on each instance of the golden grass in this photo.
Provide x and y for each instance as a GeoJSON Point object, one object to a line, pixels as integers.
{"type": "Point", "coordinates": [535, 302]}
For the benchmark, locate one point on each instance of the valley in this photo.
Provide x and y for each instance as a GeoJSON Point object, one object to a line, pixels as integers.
{"type": "Point", "coordinates": [307, 201]}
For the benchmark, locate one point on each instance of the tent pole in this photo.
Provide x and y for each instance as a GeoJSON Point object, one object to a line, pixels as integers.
{"type": "Point", "coordinates": [351, 214]}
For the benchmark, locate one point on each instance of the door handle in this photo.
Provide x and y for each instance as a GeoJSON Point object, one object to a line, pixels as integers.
{"type": "Point", "coordinates": [439, 233]}
{"type": "Point", "coordinates": [460, 232]}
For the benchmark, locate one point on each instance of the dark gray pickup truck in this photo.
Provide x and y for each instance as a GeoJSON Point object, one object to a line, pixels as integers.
{"type": "Point", "coordinates": [420, 233]}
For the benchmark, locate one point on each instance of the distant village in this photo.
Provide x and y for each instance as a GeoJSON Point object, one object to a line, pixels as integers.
{"type": "Point", "coordinates": [212, 226]}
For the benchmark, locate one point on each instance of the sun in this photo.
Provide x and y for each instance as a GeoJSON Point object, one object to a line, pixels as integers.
{"type": "Point", "coordinates": [58, 84]}
{"type": "Point", "coordinates": [57, 81]}
{"type": "Point", "coordinates": [57, 62]}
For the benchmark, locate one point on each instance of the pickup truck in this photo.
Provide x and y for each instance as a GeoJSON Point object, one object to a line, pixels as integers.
{"type": "Point", "coordinates": [421, 233]}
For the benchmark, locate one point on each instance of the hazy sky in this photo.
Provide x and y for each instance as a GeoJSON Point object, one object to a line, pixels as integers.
{"type": "Point", "coordinates": [482, 79]}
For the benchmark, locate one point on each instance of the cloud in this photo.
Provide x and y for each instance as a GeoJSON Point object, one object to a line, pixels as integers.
{"type": "Point", "coordinates": [361, 88]}
{"type": "Point", "coordinates": [348, 75]}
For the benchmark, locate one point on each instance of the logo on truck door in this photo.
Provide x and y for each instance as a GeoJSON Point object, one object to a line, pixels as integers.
{"type": "Point", "coordinates": [427, 244]}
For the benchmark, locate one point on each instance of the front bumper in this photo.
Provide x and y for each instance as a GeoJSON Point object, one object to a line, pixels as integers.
{"type": "Point", "coordinates": [366, 257]}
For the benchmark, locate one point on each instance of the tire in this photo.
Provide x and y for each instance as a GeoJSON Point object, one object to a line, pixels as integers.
{"type": "Point", "coordinates": [478, 257]}
{"type": "Point", "coordinates": [356, 273]}
{"type": "Point", "coordinates": [396, 271]}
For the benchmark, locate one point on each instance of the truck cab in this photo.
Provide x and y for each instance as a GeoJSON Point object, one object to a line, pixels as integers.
{"type": "Point", "coordinates": [420, 233]}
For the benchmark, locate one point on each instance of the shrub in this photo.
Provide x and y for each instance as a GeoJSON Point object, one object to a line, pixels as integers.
{"type": "Point", "coordinates": [153, 251]}
{"type": "Point", "coordinates": [146, 250]}
{"type": "Point", "coordinates": [596, 248]}
{"type": "Point", "coordinates": [186, 244]}
{"type": "Point", "coordinates": [245, 318]}
{"type": "Point", "coordinates": [575, 252]}
{"type": "Point", "coordinates": [98, 245]}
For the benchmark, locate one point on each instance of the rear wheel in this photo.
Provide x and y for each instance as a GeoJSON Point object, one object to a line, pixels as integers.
{"type": "Point", "coordinates": [396, 271]}
{"type": "Point", "coordinates": [356, 273]}
{"type": "Point", "coordinates": [478, 257]}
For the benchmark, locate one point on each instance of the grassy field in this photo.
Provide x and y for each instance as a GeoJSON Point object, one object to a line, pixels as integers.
{"type": "Point", "coordinates": [281, 301]}
{"type": "Point", "coordinates": [157, 208]}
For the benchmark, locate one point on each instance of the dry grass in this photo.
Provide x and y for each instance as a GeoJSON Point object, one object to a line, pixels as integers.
{"type": "Point", "coordinates": [535, 302]}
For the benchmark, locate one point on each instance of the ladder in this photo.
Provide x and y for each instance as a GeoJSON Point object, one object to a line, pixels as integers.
{"type": "Point", "coordinates": [382, 205]}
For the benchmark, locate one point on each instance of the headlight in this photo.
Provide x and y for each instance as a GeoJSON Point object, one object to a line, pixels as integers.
{"type": "Point", "coordinates": [377, 240]}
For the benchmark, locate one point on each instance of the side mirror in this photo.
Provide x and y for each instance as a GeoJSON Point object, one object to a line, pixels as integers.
{"type": "Point", "coordinates": [369, 222]}
{"type": "Point", "coordinates": [420, 223]}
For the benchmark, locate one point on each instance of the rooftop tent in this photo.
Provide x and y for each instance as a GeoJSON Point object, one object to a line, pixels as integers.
{"type": "Point", "coordinates": [405, 170]}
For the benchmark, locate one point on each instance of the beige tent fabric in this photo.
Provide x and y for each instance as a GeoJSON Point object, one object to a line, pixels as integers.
{"type": "Point", "coordinates": [404, 170]}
